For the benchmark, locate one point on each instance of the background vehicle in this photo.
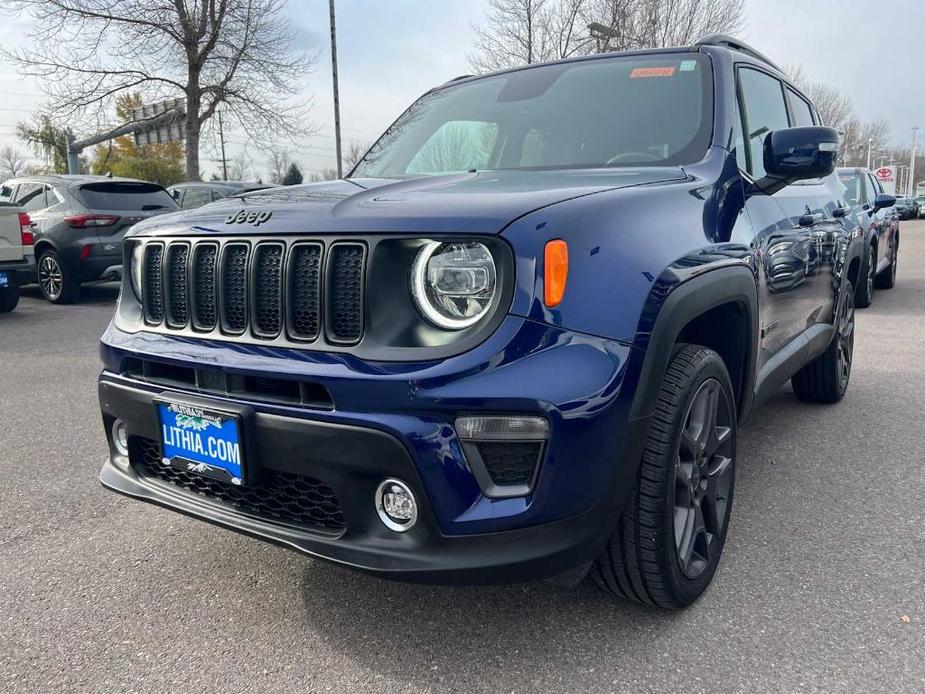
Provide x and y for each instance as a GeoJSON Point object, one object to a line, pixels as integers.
{"type": "Point", "coordinates": [871, 207]}
{"type": "Point", "coordinates": [507, 360]}
{"type": "Point", "coordinates": [920, 206]}
{"type": "Point", "coordinates": [78, 223]}
{"type": "Point", "coordinates": [905, 208]}
{"type": "Point", "coordinates": [198, 193]}
{"type": "Point", "coordinates": [17, 264]}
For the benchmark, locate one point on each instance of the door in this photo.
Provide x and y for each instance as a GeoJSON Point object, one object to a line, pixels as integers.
{"type": "Point", "coordinates": [883, 224]}
{"type": "Point", "coordinates": [791, 226]}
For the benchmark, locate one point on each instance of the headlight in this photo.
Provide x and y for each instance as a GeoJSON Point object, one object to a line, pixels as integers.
{"type": "Point", "coordinates": [453, 284]}
{"type": "Point", "coordinates": [135, 270]}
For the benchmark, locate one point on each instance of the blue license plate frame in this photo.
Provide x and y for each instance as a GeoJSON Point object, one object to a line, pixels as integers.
{"type": "Point", "coordinates": [202, 440]}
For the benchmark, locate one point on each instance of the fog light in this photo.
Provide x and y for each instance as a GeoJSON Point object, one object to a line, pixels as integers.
{"type": "Point", "coordinates": [396, 506]}
{"type": "Point", "coordinates": [120, 437]}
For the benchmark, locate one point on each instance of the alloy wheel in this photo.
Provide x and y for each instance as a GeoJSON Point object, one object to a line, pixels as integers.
{"type": "Point", "coordinates": [703, 479]}
{"type": "Point", "coordinates": [50, 277]}
{"type": "Point", "coordinates": [845, 341]}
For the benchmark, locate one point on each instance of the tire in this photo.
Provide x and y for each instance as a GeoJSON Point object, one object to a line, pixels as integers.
{"type": "Point", "coordinates": [9, 298]}
{"type": "Point", "coordinates": [680, 484]}
{"type": "Point", "coordinates": [887, 278]}
{"type": "Point", "coordinates": [57, 282]}
{"type": "Point", "coordinates": [864, 292]}
{"type": "Point", "coordinates": [825, 378]}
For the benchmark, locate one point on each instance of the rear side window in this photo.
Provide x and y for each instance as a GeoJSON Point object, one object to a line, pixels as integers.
{"type": "Point", "coordinates": [118, 195]}
{"type": "Point", "coordinates": [800, 110]}
{"type": "Point", "coordinates": [31, 197]}
{"type": "Point", "coordinates": [195, 197]}
{"type": "Point", "coordinates": [854, 187]}
{"type": "Point", "coordinates": [764, 111]}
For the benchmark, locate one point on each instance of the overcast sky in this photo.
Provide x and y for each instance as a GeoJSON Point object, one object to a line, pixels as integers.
{"type": "Point", "coordinates": [391, 52]}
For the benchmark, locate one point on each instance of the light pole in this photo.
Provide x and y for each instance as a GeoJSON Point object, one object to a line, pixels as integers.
{"type": "Point", "coordinates": [340, 166]}
{"type": "Point", "coordinates": [870, 142]}
{"type": "Point", "coordinates": [911, 188]}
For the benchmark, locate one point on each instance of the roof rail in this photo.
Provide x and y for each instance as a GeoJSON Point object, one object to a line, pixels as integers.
{"type": "Point", "coordinates": [734, 43]}
{"type": "Point", "coordinates": [456, 79]}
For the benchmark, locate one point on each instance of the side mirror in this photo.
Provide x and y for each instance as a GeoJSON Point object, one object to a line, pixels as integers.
{"type": "Point", "coordinates": [797, 154]}
{"type": "Point", "coordinates": [883, 201]}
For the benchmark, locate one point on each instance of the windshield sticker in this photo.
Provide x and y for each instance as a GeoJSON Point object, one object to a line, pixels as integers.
{"type": "Point", "coordinates": [652, 72]}
{"type": "Point", "coordinates": [687, 66]}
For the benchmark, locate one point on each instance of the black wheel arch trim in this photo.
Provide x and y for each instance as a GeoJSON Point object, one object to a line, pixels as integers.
{"type": "Point", "coordinates": [685, 302]}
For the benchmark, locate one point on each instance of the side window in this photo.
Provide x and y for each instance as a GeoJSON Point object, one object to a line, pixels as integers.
{"type": "Point", "coordinates": [765, 111]}
{"type": "Point", "coordinates": [874, 185]}
{"type": "Point", "coordinates": [6, 193]}
{"type": "Point", "coordinates": [216, 195]}
{"type": "Point", "coordinates": [800, 110]}
{"type": "Point", "coordinates": [31, 197]}
{"type": "Point", "coordinates": [458, 145]}
{"type": "Point", "coordinates": [196, 197]}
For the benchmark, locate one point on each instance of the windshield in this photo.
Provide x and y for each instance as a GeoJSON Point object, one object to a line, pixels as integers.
{"type": "Point", "coordinates": [623, 111]}
{"type": "Point", "coordinates": [126, 195]}
{"type": "Point", "coordinates": [852, 183]}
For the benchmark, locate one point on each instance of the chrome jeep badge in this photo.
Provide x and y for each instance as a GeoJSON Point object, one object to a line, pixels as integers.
{"type": "Point", "coordinates": [244, 217]}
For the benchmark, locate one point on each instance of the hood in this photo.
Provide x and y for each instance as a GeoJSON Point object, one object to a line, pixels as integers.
{"type": "Point", "coordinates": [480, 202]}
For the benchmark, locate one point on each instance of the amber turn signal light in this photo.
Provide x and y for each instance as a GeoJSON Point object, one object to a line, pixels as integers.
{"type": "Point", "coordinates": [555, 272]}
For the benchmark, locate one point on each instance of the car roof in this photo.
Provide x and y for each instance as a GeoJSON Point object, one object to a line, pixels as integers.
{"type": "Point", "coordinates": [67, 179]}
{"type": "Point", "coordinates": [236, 185]}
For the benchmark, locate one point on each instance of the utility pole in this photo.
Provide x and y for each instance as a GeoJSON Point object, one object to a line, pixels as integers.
{"type": "Point", "coordinates": [911, 188]}
{"type": "Point", "coordinates": [221, 137]}
{"type": "Point", "coordinates": [340, 165]}
{"type": "Point", "coordinates": [870, 142]}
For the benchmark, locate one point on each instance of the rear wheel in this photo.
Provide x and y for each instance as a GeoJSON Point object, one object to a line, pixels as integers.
{"type": "Point", "coordinates": [864, 292]}
{"type": "Point", "coordinates": [668, 541]}
{"type": "Point", "coordinates": [825, 378]}
{"type": "Point", "coordinates": [9, 298]}
{"type": "Point", "coordinates": [56, 281]}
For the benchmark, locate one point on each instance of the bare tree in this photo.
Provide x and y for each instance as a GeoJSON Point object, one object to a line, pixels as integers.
{"type": "Point", "coordinates": [12, 163]}
{"type": "Point", "coordinates": [834, 106]}
{"type": "Point", "coordinates": [278, 161]}
{"type": "Point", "coordinates": [658, 23]}
{"type": "Point", "coordinates": [521, 32]}
{"type": "Point", "coordinates": [354, 153]}
{"type": "Point", "coordinates": [240, 168]}
{"type": "Point", "coordinates": [236, 53]}
{"type": "Point", "coordinates": [858, 136]}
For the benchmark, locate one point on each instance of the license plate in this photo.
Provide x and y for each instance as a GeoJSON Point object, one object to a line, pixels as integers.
{"type": "Point", "coordinates": [4, 279]}
{"type": "Point", "coordinates": [201, 441]}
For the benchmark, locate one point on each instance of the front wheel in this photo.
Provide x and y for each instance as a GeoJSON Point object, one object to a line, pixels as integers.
{"type": "Point", "coordinates": [669, 538]}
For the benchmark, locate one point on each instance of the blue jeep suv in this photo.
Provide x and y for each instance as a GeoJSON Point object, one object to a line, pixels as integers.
{"type": "Point", "coordinates": [515, 342]}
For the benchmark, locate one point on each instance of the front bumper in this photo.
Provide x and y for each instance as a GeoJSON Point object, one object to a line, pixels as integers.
{"type": "Point", "coordinates": [396, 420]}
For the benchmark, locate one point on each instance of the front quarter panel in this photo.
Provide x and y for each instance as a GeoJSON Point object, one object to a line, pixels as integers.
{"type": "Point", "coordinates": [620, 242]}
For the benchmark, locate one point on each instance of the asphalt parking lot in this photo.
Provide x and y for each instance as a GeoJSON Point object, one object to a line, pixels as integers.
{"type": "Point", "coordinates": [825, 559]}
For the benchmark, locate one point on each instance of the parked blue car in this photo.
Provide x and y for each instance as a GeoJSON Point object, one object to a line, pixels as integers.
{"type": "Point", "coordinates": [516, 342]}
{"type": "Point", "coordinates": [871, 205]}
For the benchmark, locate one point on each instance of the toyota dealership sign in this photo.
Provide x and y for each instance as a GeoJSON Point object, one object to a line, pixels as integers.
{"type": "Point", "coordinates": [887, 177]}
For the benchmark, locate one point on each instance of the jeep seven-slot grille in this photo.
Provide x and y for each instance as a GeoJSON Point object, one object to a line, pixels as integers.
{"type": "Point", "coordinates": [298, 291]}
